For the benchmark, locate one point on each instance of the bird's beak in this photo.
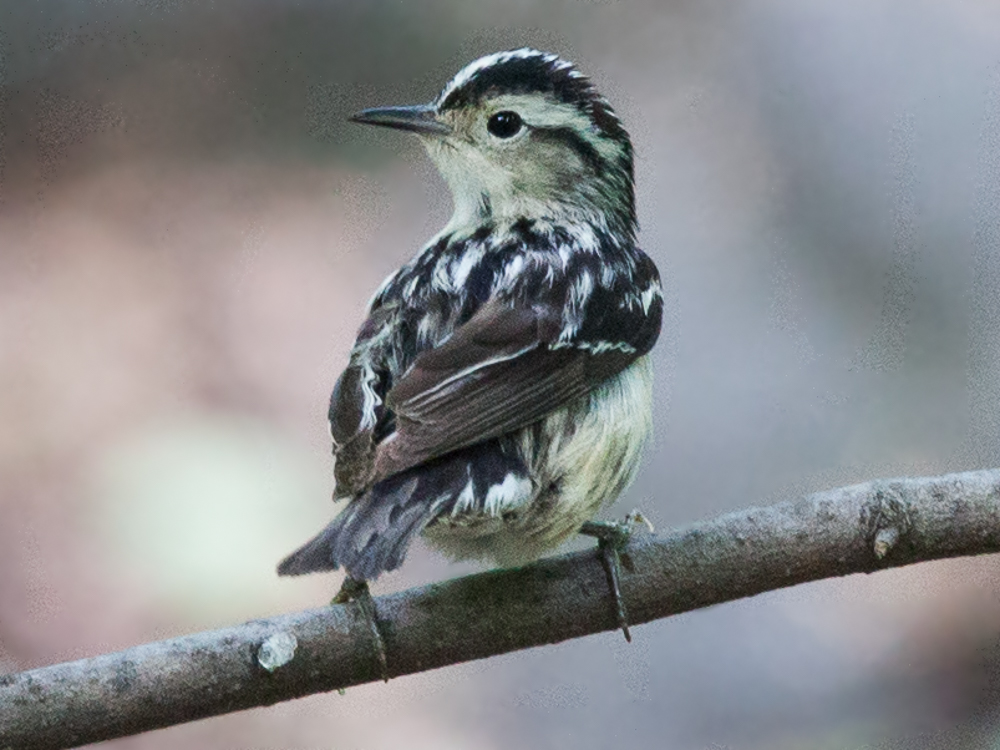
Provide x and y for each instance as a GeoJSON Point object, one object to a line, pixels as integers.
{"type": "Point", "coordinates": [421, 119]}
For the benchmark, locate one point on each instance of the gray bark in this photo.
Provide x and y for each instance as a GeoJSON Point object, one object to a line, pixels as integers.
{"type": "Point", "coordinates": [858, 529]}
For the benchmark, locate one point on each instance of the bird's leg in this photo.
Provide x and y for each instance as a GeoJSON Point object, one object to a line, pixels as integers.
{"type": "Point", "coordinates": [357, 591]}
{"type": "Point", "coordinates": [611, 537]}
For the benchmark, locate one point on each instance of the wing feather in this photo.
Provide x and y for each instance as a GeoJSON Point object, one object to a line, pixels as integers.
{"type": "Point", "coordinates": [526, 351]}
{"type": "Point", "coordinates": [501, 371]}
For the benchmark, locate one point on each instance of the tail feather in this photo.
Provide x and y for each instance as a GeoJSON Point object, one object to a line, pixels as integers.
{"type": "Point", "coordinates": [372, 534]}
{"type": "Point", "coordinates": [385, 548]}
{"type": "Point", "coordinates": [315, 555]}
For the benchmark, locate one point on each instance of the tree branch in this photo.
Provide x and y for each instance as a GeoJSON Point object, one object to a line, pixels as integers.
{"type": "Point", "coordinates": [858, 529]}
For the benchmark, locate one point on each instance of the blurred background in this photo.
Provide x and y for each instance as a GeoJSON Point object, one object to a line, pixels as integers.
{"type": "Point", "coordinates": [189, 231]}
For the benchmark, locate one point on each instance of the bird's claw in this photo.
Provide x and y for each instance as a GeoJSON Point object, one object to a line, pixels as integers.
{"type": "Point", "coordinates": [353, 590]}
{"type": "Point", "coordinates": [636, 518]}
{"type": "Point", "coordinates": [611, 537]}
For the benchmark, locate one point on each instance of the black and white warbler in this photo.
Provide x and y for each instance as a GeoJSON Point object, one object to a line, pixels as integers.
{"type": "Point", "coordinates": [499, 393]}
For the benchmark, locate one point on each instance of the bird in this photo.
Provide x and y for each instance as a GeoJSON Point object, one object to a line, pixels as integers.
{"type": "Point", "coordinates": [499, 392]}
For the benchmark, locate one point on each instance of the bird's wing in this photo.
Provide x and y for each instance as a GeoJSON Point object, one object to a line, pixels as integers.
{"type": "Point", "coordinates": [504, 369]}
{"type": "Point", "coordinates": [358, 415]}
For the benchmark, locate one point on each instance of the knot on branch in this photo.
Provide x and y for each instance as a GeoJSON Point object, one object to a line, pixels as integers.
{"type": "Point", "coordinates": [885, 519]}
{"type": "Point", "coordinates": [277, 650]}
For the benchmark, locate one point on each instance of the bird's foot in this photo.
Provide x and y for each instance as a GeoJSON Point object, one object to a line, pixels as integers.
{"type": "Point", "coordinates": [357, 591]}
{"type": "Point", "coordinates": [612, 536]}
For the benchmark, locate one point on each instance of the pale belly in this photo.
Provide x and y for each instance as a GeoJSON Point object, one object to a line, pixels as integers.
{"type": "Point", "coordinates": [581, 459]}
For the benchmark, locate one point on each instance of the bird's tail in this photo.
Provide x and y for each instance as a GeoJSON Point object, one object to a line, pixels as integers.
{"type": "Point", "coordinates": [371, 535]}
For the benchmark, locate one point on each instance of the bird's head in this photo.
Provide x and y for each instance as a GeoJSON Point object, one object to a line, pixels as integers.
{"type": "Point", "coordinates": [523, 134]}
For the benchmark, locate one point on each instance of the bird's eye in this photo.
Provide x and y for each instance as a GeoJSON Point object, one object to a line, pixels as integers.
{"type": "Point", "coordinates": [505, 124]}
